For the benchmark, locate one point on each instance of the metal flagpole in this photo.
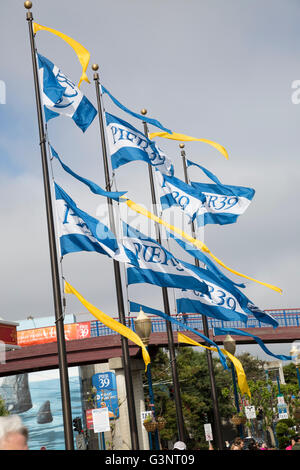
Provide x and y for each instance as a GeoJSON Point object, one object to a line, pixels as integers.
{"type": "Point", "coordinates": [217, 421]}
{"type": "Point", "coordinates": [177, 396]}
{"type": "Point", "coordinates": [118, 281]}
{"type": "Point", "coordinates": [59, 321]}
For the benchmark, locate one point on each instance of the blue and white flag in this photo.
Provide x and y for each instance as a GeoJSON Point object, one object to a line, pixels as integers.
{"type": "Point", "coordinates": [224, 203]}
{"type": "Point", "coordinates": [135, 307]}
{"type": "Point", "coordinates": [78, 231]}
{"type": "Point", "coordinates": [61, 97]}
{"type": "Point", "coordinates": [90, 184]}
{"type": "Point", "coordinates": [156, 265]}
{"type": "Point", "coordinates": [261, 315]}
{"type": "Point", "coordinates": [151, 121]}
{"type": "Point", "coordinates": [207, 203]}
{"type": "Point", "coordinates": [220, 304]}
{"type": "Point", "coordinates": [176, 192]}
{"type": "Point", "coordinates": [127, 144]}
{"type": "Point", "coordinates": [224, 301]}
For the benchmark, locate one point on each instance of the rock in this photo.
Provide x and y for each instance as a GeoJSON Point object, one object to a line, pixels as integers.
{"type": "Point", "coordinates": [15, 392]}
{"type": "Point", "coordinates": [44, 414]}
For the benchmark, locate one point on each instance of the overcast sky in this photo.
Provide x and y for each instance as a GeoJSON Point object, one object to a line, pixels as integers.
{"type": "Point", "coordinates": [210, 69]}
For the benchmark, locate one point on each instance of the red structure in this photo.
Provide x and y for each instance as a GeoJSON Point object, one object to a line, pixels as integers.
{"type": "Point", "coordinates": [104, 345]}
{"type": "Point", "coordinates": [8, 334]}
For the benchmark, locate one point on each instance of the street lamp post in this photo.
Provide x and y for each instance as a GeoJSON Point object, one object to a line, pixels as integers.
{"type": "Point", "coordinates": [230, 346]}
{"type": "Point", "coordinates": [142, 326]}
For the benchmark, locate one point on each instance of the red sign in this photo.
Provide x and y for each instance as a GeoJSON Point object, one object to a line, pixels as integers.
{"type": "Point", "coordinates": [89, 419]}
{"type": "Point", "coordinates": [8, 334]}
{"type": "Point", "coordinates": [48, 334]}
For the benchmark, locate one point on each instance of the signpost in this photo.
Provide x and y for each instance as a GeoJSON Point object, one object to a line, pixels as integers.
{"type": "Point", "coordinates": [208, 432]}
{"type": "Point", "coordinates": [282, 408]}
{"type": "Point", "coordinates": [100, 419]}
{"type": "Point", "coordinates": [106, 386]}
{"type": "Point", "coordinates": [250, 412]}
{"type": "Point", "coordinates": [282, 411]}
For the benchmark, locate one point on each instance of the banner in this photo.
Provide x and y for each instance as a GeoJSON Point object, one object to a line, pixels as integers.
{"type": "Point", "coordinates": [61, 97]}
{"type": "Point", "coordinates": [82, 53]}
{"type": "Point", "coordinates": [151, 121]}
{"type": "Point", "coordinates": [110, 322]}
{"type": "Point", "coordinates": [223, 204]}
{"type": "Point", "coordinates": [156, 265]}
{"type": "Point", "coordinates": [128, 144]}
{"type": "Point", "coordinates": [199, 244]}
{"type": "Point", "coordinates": [186, 138]}
{"type": "Point", "coordinates": [47, 334]}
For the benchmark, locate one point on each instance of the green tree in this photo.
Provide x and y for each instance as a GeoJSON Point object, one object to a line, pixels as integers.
{"type": "Point", "coordinates": [253, 367]}
{"type": "Point", "coordinates": [285, 432]}
{"type": "Point", "coordinates": [3, 410]}
{"type": "Point", "coordinates": [195, 393]}
{"type": "Point", "coordinates": [290, 374]}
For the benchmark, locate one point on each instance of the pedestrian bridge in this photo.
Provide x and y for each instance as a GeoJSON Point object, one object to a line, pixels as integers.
{"type": "Point", "coordinates": [103, 343]}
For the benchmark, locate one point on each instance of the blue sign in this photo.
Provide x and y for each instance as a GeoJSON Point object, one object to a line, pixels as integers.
{"type": "Point", "coordinates": [107, 396]}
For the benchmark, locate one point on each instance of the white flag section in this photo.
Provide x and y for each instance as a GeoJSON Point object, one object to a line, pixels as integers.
{"type": "Point", "coordinates": [127, 144]}
{"type": "Point", "coordinates": [176, 192]}
{"type": "Point", "coordinates": [61, 97]}
{"type": "Point", "coordinates": [223, 204]}
{"type": "Point", "coordinates": [78, 231]}
{"type": "Point", "coordinates": [220, 303]}
{"type": "Point", "coordinates": [156, 265]}
{"type": "Point", "coordinates": [208, 203]}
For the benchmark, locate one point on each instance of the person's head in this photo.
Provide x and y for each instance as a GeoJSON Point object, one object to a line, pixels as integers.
{"type": "Point", "coordinates": [179, 445]}
{"type": "Point", "coordinates": [235, 447]}
{"type": "Point", "coordinates": [252, 444]}
{"type": "Point", "coordinates": [295, 439]}
{"type": "Point", "coordinates": [264, 445]}
{"type": "Point", "coordinates": [238, 441]}
{"type": "Point", "coordinates": [13, 434]}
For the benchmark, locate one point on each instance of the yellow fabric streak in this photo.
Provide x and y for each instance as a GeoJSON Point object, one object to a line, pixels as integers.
{"type": "Point", "coordinates": [110, 322]}
{"type": "Point", "coordinates": [186, 138]}
{"type": "Point", "coordinates": [82, 53]}
{"type": "Point", "coordinates": [241, 376]}
{"type": "Point", "coordinates": [141, 210]}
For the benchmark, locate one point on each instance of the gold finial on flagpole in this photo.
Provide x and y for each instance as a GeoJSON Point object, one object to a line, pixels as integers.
{"type": "Point", "coordinates": [181, 146]}
{"type": "Point", "coordinates": [144, 111]}
{"type": "Point", "coordinates": [95, 67]}
{"type": "Point", "coordinates": [27, 5]}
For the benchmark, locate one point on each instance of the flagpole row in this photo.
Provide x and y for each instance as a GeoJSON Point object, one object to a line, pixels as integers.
{"type": "Point", "coordinates": [172, 355]}
{"type": "Point", "coordinates": [118, 280]}
{"type": "Point", "coordinates": [217, 421]}
{"type": "Point", "coordinates": [62, 356]}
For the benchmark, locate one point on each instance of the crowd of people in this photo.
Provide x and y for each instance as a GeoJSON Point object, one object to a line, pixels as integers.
{"type": "Point", "coordinates": [251, 444]}
{"type": "Point", "coordinates": [14, 436]}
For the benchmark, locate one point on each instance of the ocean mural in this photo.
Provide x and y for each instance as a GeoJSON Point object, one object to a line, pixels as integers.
{"type": "Point", "coordinates": [36, 398]}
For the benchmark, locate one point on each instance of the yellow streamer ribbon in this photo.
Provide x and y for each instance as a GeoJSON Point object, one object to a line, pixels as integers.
{"type": "Point", "coordinates": [241, 376]}
{"type": "Point", "coordinates": [110, 322]}
{"type": "Point", "coordinates": [141, 210]}
{"type": "Point", "coordinates": [186, 138]}
{"type": "Point", "coordinates": [82, 53]}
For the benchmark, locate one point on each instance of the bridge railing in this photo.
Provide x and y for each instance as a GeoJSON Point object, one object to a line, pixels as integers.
{"type": "Point", "coordinates": [285, 318]}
